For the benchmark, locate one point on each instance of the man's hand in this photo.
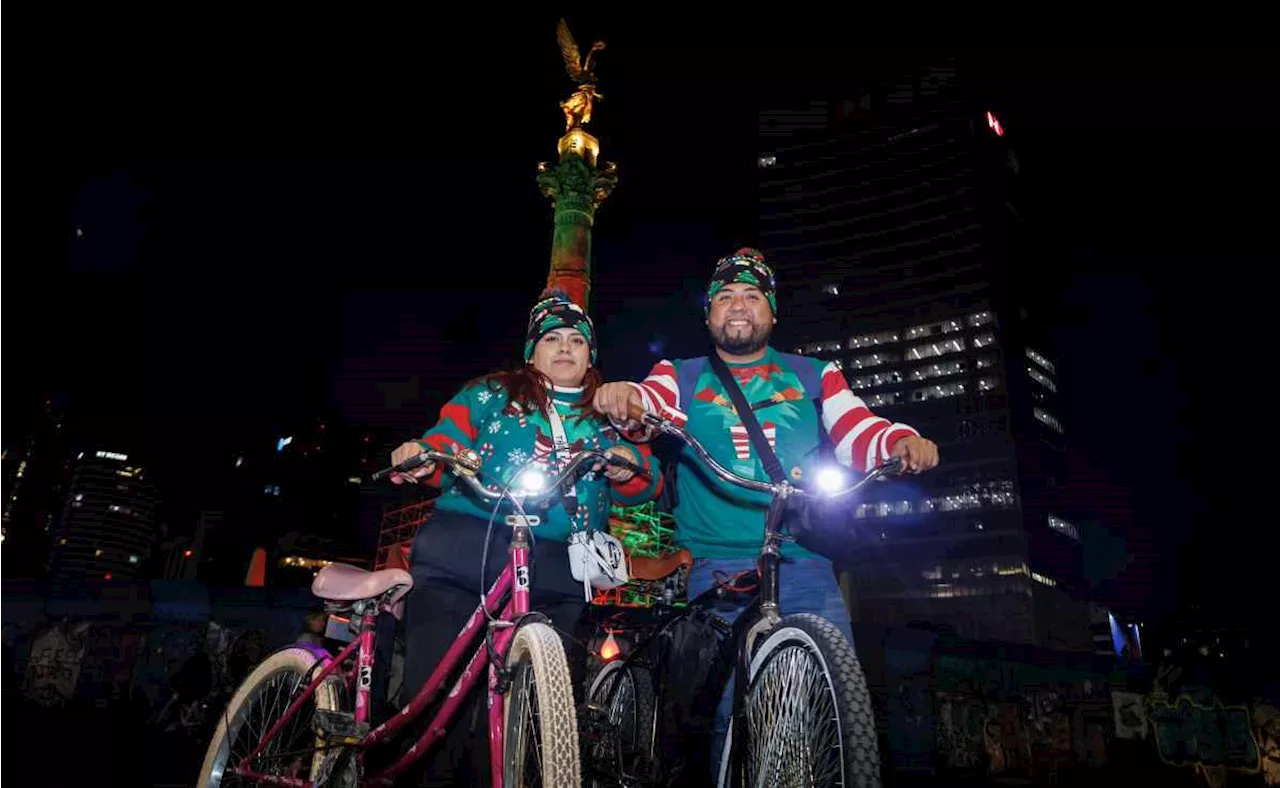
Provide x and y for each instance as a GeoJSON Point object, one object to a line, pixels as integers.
{"type": "Point", "coordinates": [618, 401]}
{"type": "Point", "coordinates": [619, 474]}
{"type": "Point", "coordinates": [918, 454]}
{"type": "Point", "coordinates": [407, 451]}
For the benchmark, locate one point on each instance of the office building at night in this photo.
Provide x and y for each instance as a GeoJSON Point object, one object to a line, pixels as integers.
{"type": "Point", "coordinates": [892, 220]}
{"type": "Point", "coordinates": [108, 525]}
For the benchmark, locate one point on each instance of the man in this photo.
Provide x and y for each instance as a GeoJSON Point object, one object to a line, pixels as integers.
{"type": "Point", "coordinates": [721, 524]}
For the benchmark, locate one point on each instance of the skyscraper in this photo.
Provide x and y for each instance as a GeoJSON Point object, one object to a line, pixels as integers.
{"type": "Point", "coordinates": [893, 223]}
{"type": "Point", "coordinates": [108, 525]}
{"type": "Point", "coordinates": [33, 486]}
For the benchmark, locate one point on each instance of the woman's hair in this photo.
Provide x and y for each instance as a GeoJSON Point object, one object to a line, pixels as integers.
{"type": "Point", "coordinates": [527, 387]}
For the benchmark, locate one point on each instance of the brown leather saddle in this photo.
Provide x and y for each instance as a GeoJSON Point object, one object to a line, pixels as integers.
{"type": "Point", "coordinates": [644, 568]}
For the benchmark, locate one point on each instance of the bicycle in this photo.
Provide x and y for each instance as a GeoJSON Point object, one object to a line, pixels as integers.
{"type": "Point", "coordinates": [770, 651]}
{"type": "Point", "coordinates": [329, 747]}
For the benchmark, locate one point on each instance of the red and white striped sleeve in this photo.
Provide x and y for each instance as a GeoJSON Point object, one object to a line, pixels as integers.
{"type": "Point", "coordinates": [862, 439]}
{"type": "Point", "coordinates": [660, 394]}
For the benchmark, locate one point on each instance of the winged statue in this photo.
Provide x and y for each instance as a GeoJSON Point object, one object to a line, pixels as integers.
{"type": "Point", "coordinates": [577, 108]}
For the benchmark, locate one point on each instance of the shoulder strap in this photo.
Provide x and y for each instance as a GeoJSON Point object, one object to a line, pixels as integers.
{"type": "Point", "coordinates": [687, 375]}
{"type": "Point", "coordinates": [772, 467]}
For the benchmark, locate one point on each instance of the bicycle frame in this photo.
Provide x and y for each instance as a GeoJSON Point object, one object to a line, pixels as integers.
{"type": "Point", "coordinates": [512, 586]}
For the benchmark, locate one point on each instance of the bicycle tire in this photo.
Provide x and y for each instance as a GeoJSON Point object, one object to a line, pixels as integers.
{"type": "Point", "coordinates": [537, 656]}
{"type": "Point", "coordinates": [842, 673]}
{"type": "Point", "coordinates": [291, 661]}
{"type": "Point", "coordinates": [640, 700]}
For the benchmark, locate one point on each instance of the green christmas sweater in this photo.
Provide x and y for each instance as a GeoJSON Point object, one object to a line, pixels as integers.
{"type": "Point", "coordinates": [510, 439]}
{"type": "Point", "coordinates": [716, 519]}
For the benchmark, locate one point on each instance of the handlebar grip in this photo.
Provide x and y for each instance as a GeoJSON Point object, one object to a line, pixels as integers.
{"type": "Point", "coordinates": [636, 413]}
{"type": "Point", "coordinates": [407, 465]}
{"type": "Point", "coordinates": [628, 464]}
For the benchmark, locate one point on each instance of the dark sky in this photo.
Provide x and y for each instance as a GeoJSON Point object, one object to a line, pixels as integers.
{"type": "Point", "coordinates": [288, 221]}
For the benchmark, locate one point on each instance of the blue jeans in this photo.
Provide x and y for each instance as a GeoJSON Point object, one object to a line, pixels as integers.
{"type": "Point", "coordinates": [806, 585]}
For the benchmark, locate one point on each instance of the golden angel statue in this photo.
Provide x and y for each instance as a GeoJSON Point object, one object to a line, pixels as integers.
{"type": "Point", "coordinates": [577, 108]}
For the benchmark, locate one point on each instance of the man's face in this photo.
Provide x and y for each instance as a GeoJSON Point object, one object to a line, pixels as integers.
{"type": "Point", "coordinates": [740, 319]}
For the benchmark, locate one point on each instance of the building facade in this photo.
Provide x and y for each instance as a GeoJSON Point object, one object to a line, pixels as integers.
{"type": "Point", "coordinates": [893, 224]}
{"type": "Point", "coordinates": [108, 525]}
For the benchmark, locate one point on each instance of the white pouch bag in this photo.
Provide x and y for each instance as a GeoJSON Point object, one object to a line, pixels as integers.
{"type": "Point", "coordinates": [597, 560]}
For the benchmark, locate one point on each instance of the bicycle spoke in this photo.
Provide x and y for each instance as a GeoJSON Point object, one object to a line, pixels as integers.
{"type": "Point", "coordinates": [792, 727]}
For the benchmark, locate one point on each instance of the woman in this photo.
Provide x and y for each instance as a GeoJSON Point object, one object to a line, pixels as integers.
{"type": "Point", "coordinates": [514, 419]}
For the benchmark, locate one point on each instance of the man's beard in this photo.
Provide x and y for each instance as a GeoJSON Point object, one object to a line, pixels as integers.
{"type": "Point", "coordinates": [742, 344]}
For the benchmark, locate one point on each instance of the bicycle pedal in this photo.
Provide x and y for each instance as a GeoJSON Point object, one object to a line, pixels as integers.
{"type": "Point", "coordinates": [339, 727]}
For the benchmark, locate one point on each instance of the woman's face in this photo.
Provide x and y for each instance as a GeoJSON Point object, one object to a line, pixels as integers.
{"type": "Point", "coordinates": [563, 355]}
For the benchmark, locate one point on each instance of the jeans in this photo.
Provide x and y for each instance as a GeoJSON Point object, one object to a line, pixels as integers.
{"type": "Point", "coordinates": [806, 585]}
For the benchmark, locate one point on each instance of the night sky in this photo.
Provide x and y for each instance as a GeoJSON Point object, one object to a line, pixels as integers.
{"type": "Point", "coordinates": [294, 223]}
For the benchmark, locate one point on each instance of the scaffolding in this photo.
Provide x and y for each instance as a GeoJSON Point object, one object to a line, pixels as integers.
{"type": "Point", "coordinates": [395, 535]}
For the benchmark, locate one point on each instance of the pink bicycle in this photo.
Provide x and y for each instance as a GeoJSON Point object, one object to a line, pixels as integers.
{"type": "Point", "coordinates": [302, 717]}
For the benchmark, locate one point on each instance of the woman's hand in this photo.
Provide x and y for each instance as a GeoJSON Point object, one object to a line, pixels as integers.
{"type": "Point", "coordinates": [617, 473]}
{"type": "Point", "coordinates": [407, 451]}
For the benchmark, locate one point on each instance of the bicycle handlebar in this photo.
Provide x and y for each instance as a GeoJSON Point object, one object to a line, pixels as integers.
{"type": "Point", "coordinates": [467, 463]}
{"type": "Point", "coordinates": [784, 487]}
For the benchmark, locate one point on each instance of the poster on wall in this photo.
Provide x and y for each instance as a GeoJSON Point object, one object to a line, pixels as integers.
{"type": "Point", "coordinates": [1129, 709]}
{"type": "Point", "coordinates": [54, 668]}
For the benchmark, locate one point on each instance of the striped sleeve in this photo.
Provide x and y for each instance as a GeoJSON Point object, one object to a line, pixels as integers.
{"type": "Point", "coordinates": [862, 439]}
{"type": "Point", "coordinates": [455, 429]}
{"type": "Point", "coordinates": [660, 394]}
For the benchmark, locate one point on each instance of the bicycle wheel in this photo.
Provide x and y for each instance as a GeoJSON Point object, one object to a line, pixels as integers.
{"type": "Point", "coordinates": [625, 694]}
{"type": "Point", "coordinates": [257, 705]}
{"type": "Point", "coordinates": [807, 711]}
{"type": "Point", "coordinates": [540, 745]}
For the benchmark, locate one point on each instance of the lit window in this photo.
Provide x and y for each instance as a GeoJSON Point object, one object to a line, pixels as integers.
{"type": "Point", "coordinates": [1041, 378]}
{"type": "Point", "coordinates": [97, 553]}
{"type": "Point", "coordinates": [1041, 360]}
{"type": "Point", "coordinates": [1039, 578]}
{"type": "Point", "coordinates": [112, 455]}
{"type": "Point", "coordinates": [79, 496]}
{"type": "Point", "coordinates": [915, 332]}
{"type": "Point", "coordinates": [934, 349]}
{"type": "Point", "coordinates": [1047, 418]}
{"type": "Point", "coordinates": [767, 161]}
{"type": "Point", "coordinates": [886, 398]}
{"type": "Point", "coordinates": [980, 319]}
{"type": "Point", "coordinates": [878, 379]}
{"type": "Point", "coordinates": [114, 507]}
{"type": "Point", "coordinates": [353, 480]}
{"type": "Point", "coordinates": [871, 340]}
{"type": "Point", "coordinates": [831, 289]}
{"type": "Point", "coordinates": [1062, 526]}
{"type": "Point", "coordinates": [937, 392]}
{"type": "Point", "coordinates": [133, 559]}
{"type": "Point", "coordinates": [984, 362]}
{"type": "Point", "coordinates": [938, 370]}
{"type": "Point", "coordinates": [239, 461]}
{"type": "Point", "coordinates": [988, 384]}
{"type": "Point", "coordinates": [984, 340]}
{"type": "Point", "coordinates": [872, 360]}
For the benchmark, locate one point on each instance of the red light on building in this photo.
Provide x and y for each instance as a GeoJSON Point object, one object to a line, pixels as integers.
{"type": "Point", "coordinates": [107, 576]}
{"type": "Point", "coordinates": [993, 123]}
{"type": "Point", "coordinates": [188, 553]}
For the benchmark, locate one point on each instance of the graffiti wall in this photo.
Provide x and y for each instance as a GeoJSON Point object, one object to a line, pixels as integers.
{"type": "Point", "coordinates": [1031, 720]}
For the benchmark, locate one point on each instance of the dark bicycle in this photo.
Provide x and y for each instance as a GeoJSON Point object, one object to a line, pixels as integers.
{"type": "Point", "coordinates": [802, 713]}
